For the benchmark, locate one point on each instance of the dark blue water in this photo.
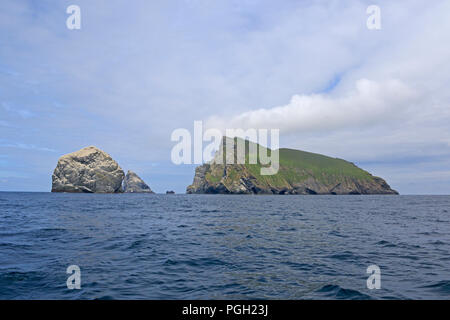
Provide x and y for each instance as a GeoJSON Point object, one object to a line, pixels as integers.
{"type": "Point", "coordinates": [131, 246]}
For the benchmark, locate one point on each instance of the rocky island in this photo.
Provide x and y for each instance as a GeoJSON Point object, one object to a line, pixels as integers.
{"type": "Point", "coordinates": [299, 172]}
{"type": "Point", "coordinates": [134, 184]}
{"type": "Point", "coordinates": [92, 170]}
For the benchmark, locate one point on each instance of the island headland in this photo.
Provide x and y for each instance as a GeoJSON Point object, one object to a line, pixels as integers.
{"type": "Point", "coordinates": [299, 172]}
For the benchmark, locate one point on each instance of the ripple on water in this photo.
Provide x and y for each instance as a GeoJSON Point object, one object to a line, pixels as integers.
{"type": "Point", "coordinates": [337, 292]}
{"type": "Point", "coordinates": [442, 287]}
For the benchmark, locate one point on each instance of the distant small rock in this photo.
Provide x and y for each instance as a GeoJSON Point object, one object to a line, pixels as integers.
{"type": "Point", "coordinates": [170, 192]}
{"type": "Point", "coordinates": [87, 170]}
{"type": "Point", "coordinates": [134, 184]}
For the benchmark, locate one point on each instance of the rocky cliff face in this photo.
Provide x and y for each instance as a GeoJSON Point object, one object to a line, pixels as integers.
{"type": "Point", "coordinates": [299, 173]}
{"type": "Point", "coordinates": [87, 170]}
{"type": "Point", "coordinates": [134, 184]}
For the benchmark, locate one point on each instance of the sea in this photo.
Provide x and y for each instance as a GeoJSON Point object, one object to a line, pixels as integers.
{"type": "Point", "coordinates": [144, 246]}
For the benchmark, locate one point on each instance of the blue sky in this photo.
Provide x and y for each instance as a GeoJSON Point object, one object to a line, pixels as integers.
{"type": "Point", "coordinates": [138, 70]}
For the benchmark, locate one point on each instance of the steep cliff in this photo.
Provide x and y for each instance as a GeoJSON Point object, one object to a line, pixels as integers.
{"type": "Point", "coordinates": [299, 172]}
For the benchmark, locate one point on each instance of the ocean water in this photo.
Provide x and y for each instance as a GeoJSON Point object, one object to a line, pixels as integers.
{"type": "Point", "coordinates": [131, 246]}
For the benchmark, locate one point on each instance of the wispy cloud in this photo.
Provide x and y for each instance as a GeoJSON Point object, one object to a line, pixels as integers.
{"type": "Point", "coordinates": [25, 146]}
{"type": "Point", "coordinates": [23, 113]}
{"type": "Point", "coordinates": [5, 124]}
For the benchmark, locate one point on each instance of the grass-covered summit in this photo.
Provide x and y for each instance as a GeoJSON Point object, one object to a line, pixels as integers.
{"type": "Point", "coordinates": [299, 172]}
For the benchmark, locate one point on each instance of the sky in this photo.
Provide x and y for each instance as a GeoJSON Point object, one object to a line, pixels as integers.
{"type": "Point", "coordinates": [136, 71]}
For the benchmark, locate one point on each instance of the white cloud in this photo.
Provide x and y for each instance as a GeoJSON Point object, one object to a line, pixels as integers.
{"type": "Point", "coordinates": [368, 103]}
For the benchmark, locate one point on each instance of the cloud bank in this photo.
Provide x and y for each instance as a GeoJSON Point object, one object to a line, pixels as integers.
{"type": "Point", "coordinates": [370, 102]}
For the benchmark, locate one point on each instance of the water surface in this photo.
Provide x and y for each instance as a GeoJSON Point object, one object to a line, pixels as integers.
{"type": "Point", "coordinates": [132, 246]}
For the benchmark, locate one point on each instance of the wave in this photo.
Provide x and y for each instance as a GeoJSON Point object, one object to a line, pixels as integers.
{"type": "Point", "coordinates": [337, 292]}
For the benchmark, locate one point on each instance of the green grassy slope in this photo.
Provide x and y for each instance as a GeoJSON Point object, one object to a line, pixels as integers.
{"type": "Point", "coordinates": [297, 166]}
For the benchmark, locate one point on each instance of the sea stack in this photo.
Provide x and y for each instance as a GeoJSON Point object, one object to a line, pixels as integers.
{"type": "Point", "coordinates": [134, 184]}
{"type": "Point", "coordinates": [88, 170]}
